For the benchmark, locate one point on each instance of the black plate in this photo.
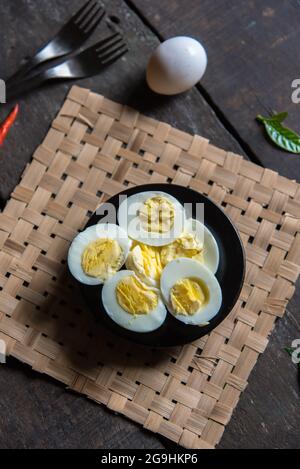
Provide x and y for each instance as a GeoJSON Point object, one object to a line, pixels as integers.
{"type": "Point", "coordinates": [230, 273]}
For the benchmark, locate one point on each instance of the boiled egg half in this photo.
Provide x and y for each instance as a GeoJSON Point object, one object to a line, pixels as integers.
{"type": "Point", "coordinates": [196, 242]}
{"type": "Point", "coordinates": [191, 291]}
{"type": "Point", "coordinates": [132, 304]}
{"type": "Point", "coordinates": [145, 261]}
{"type": "Point", "coordinates": [152, 218]}
{"type": "Point", "coordinates": [98, 253]}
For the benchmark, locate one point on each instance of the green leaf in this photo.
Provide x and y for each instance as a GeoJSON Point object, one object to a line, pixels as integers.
{"type": "Point", "coordinates": [274, 117]}
{"type": "Point", "coordinates": [279, 117]}
{"type": "Point", "coordinates": [283, 137]}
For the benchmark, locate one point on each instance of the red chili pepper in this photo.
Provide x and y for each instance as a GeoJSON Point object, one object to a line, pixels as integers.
{"type": "Point", "coordinates": [6, 125]}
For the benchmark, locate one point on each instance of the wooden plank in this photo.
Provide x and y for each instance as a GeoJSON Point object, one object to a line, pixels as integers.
{"type": "Point", "coordinates": [252, 61]}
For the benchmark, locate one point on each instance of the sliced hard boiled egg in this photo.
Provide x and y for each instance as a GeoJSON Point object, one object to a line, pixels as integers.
{"type": "Point", "coordinates": [153, 218]}
{"type": "Point", "coordinates": [145, 261]}
{"type": "Point", "coordinates": [210, 254]}
{"type": "Point", "coordinates": [132, 304]}
{"type": "Point", "coordinates": [191, 291]}
{"type": "Point", "coordinates": [197, 243]}
{"type": "Point", "coordinates": [98, 253]}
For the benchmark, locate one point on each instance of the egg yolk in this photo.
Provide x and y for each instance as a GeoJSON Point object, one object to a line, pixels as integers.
{"type": "Point", "coordinates": [102, 258]}
{"type": "Point", "coordinates": [157, 215]}
{"type": "Point", "coordinates": [145, 261]}
{"type": "Point", "coordinates": [188, 295]}
{"type": "Point", "coordinates": [135, 297]}
{"type": "Point", "coordinates": [185, 246]}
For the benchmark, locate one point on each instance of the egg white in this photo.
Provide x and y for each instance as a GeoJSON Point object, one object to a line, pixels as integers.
{"type": "Point", "coordinates": [211, 256]}
{"type": "Point", "coordinates": [138, 323]}
{"type": "Point", "coordinates": [140, 272]}
{"type": "Point", "coordinates": [107, 230]}
{"type": "Point", "coordinates": [128, 219]}
{"type": "Point", "coordinates": [188, 268]}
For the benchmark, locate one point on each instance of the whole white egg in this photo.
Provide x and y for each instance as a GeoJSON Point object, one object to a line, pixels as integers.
{"type": "Point", "coordinates": [176, 65]}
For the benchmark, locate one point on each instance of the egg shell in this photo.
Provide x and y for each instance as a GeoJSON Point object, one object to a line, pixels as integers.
{"type": "Point", "coordinates": [176, 65]}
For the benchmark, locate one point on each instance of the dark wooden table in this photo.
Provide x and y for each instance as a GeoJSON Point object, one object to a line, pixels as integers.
{"type": "Point", "coordinates": [252, 61]}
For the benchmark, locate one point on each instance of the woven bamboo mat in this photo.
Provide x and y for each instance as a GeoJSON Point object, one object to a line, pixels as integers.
{"type": "Point", "coordinates": [94, 149]}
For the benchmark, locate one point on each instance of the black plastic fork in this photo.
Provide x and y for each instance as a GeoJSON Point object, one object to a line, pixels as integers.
{"type": "Point", "coordinates": [72, 36]}
{"type": "Point", "coordinates": [88, 63]}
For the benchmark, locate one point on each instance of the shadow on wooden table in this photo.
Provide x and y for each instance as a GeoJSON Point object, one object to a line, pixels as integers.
{"type": "Point", "coordinates": [140, 96]}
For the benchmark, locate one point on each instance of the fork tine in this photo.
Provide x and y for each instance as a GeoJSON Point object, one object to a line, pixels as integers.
{"type": "Point", "coordinates": [83, 17]}
{"type": "Point", "coordinates": [94, 24]}
{"type": "Point", "coordinates": [104, 41]}
{"type": "Point", "coordinates": [109, 54]}
{"type": "Point", "coordinates": [109, 45]}
{"type": "Point", "coordinates": [77, 15]}
{"type": "Point", "coordinates": [89, 17]}
{"type": "Point", "coordinates": [115, 57]}
{"type": "Point", "coordinates": [84, 23]}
